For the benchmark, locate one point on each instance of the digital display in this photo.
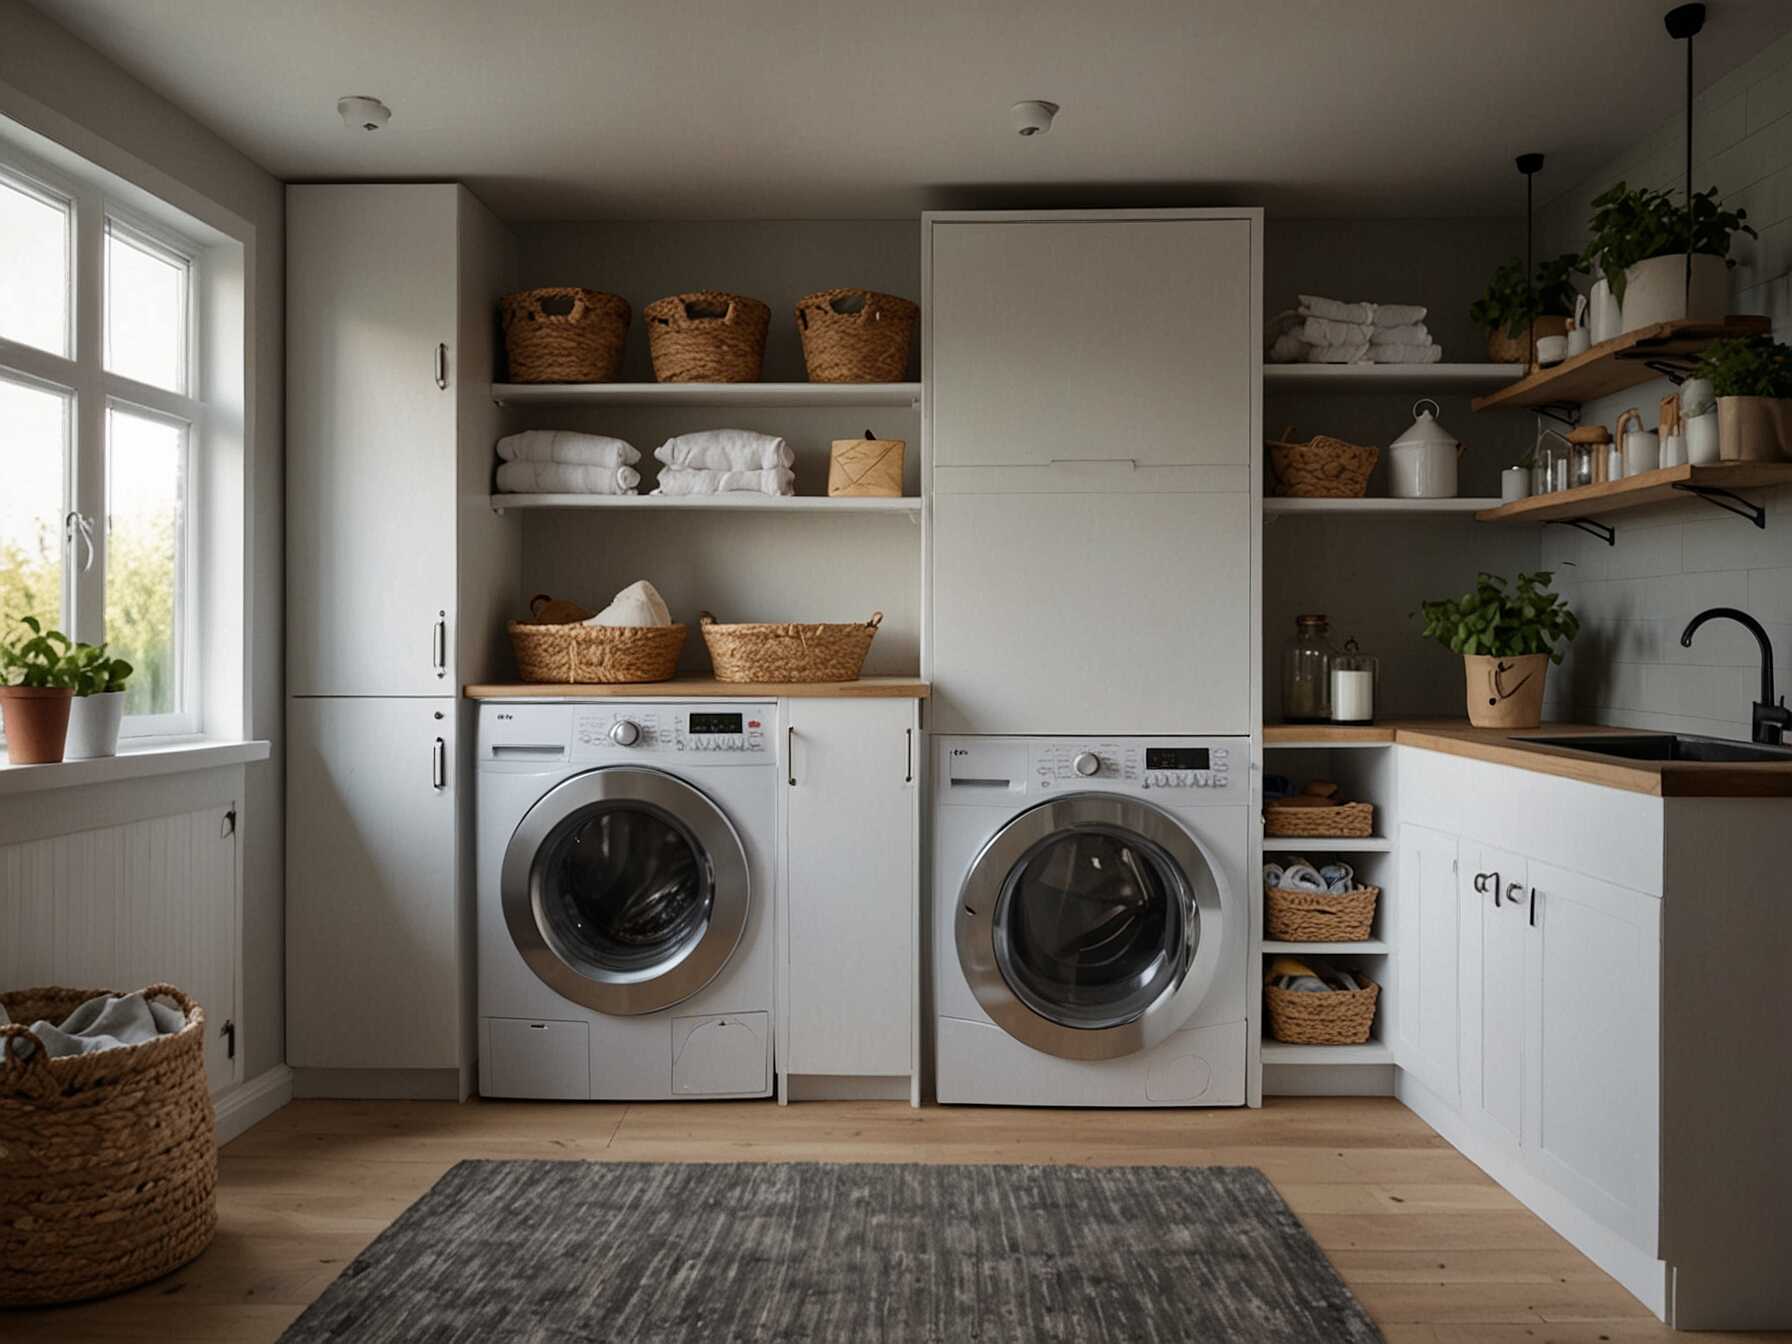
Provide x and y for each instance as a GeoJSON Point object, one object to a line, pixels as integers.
{"type": "Point", "coordinates": [716, 723]}
{"type": "Point", "coordinates": [1176, 758]}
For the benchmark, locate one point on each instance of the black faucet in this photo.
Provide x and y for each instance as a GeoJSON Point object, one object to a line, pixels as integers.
{"type": "Point", "coordinates": [1771, 718]}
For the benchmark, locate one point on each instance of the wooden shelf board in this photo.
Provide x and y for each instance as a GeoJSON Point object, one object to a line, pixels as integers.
{"type": "Point", "coordinates": [1653, 487]}
{"type": "Point", "coordinates": [1387, 377]}
{"type": "Point", "coordinates": [1372, 947]}
{"type": "Point", "coordinates": [1617, 364]}
{"type": "Point", "coordinates": [704, 688]}
{"type": "Point", "coordinates": [739, 501]}
{"type": "Point", "coordinates": [1322, 844]}
{"type": "Point", "coordinates": [1375, 508]}
{"type": "Point", "coordinates": [707, 394]}
{"type": "Point", "coordinates": [1328, 735]}
{"type": "Point", "coordinates": [1375, 1052]}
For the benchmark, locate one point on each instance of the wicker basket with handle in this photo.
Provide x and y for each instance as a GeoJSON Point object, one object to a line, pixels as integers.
{"type": "Point", "coordinates": [1321, 468]}
{"type": "Point", "coordinates": [707, 337]}
{"type": "Point", "coordinates": [856, 335]}
{"type": "Point", "coordinates": [1334, 1017]}
{"type": "Point", "coordinates": [596, 655]}
{"type": "Point", "coordinates": [1290, 818]}
{"type": "Point", "coordinates": [1319, 916]}
{"type": "Point", "coordinates": [108, 1161]}
{"type": "Point", "coordinates": [564, 335]}
{"type": "Point", "coordinates": [788, 652]}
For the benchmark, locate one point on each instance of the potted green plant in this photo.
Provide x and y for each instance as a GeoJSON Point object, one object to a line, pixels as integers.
{"type": "Point", "coordinates": [1638, 245]}
{"type": "Point", "coordinates": [1508, 637]}
{"type": "Point", "coordinates": [98, 708]}
{"type": "Point", "coordinates": [1514, 314]}
{"type": "Point", "coordinates": [37, 682]}
{"type": "Point", "coordinates": [1751, 377]}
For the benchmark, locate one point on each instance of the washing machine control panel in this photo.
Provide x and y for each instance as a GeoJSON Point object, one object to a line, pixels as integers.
{"type": "Point", "coordinates": [722, 734]}
{"type": "Point", "coordinates": [1191, 769]}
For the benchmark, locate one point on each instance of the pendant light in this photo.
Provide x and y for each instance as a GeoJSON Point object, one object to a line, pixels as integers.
{"type": "Point", "coordinates": [1684, 22]}
{"type": "Point", "coordinates": [1530, 165]}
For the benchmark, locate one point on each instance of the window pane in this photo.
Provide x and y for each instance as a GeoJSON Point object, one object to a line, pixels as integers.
{"type": "Point", "coordinates": [33, 444]}
{"type": "Point", "coordinates": [34, 280]}
{"type": "Point", "coordinates": [146, 310]}
{"type": "Point", "coordinates": [146, 479]}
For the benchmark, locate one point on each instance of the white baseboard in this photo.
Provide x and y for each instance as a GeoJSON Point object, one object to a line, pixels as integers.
{"type": "Point", "coordinates": [1328, 1080]}
{"type": "Point", "coordinates": [253, 1101]}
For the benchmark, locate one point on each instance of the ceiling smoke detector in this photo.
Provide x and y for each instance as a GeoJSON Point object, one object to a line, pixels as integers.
{"type": "Point", "coordinates": [1033, 117]}
{"type": "Point", "coordinates": [361, 113]}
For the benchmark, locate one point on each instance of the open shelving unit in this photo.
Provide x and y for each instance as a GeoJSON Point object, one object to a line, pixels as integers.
{"type": "Point", "coordinates": [1388, 377]}
{"type": "Point", "coordinates": [707, 394]}
{"type": "Point", "coordinates": [1373, 844]}
{"type": "Point", "coordinates": [1716, 483]}
{"type": "Point", "coordinates": [1665, 349]}
{"type": "Point", "coordinates": [739, 503]}
{"type": "Point", "coordinates": [1277, 506]}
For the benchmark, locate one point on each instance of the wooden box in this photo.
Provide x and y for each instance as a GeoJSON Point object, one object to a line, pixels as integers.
{"type": "Point", "coordinates": [866, 467]}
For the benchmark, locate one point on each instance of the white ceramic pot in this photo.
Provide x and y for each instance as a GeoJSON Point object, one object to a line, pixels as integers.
{"type": "Point", "coordinates": [1578, 341]}
{"type": "Point", "coordinates": [1655, 291]}
{"type": "Point", "coordinates": [1604, 321]}
{"type": "Point", "coordinates": [1701, 439]}
{"type": "Point", "coordinates": [1422, 461]}
{"type": "Point", "coordinates": [1515, 484]}
{"type": "Point", "coordinates": [1673, 450]}
{"type": "Point", "coordinates": [1642, 452]}
{"type": "Point", "coordinates": [93, 722]}
{"type": "Point", "coordinates": [1551, 350]}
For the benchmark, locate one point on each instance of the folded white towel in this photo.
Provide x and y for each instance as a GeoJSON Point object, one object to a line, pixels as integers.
{"type": "Point", "coordinates": [1398, 352]}
{"type": "Point", "coordinates": [639, 604]}
{"type": "Point", "coordinates": [1412, 333]}
{"type": "Point", "coordinates": [566, 478]}
{"type": "Point", "coordinates": [695, 481]}
{"type": "Point", "coordinates": [563, 445]}
{"type": "Point", "coordinates": [726, 450]}
{"type": "Point", "coordinates": [1398, 314]}
{"type": "Point", "coordinates": [1362, 314]}
{"type": "Point", "coordinates": [1354, 353]}
{"type": "Point", "coordinates": [1324, 331]}
{"type": "Point", "coordinates": [1288, 348]}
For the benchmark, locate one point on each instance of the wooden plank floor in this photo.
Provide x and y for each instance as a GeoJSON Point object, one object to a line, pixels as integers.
{"type": "Point", "coordinates": [1435, 1251]}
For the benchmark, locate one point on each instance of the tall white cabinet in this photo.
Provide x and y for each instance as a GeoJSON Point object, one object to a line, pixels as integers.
{"type": "Point", "coordinates": [398, 576]}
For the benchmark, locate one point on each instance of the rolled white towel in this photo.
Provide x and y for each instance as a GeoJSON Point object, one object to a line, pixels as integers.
{"type": "Point", "coordinates": [1410, 333]}
{"type": "Point", "coordinates": [696, 481]}
{"type": "Point", "coordinates": [639, 604]}
{"type": "Point", "coordinates": [1324, 331]}
{"type": "Point", "coordinates": [726, 450]}
{"type": "Point", "coordinates": [563, 445]}
{"type": "Point", "coordinates": [565, 478]}
{"type": "Point", "coordinates": [1397, 353]}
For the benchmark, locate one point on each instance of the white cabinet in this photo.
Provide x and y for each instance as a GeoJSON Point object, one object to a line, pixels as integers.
{"type": "Point", "coordinates": [1496, 941]}
{"type": "Point", "coordinates": [374, 919]}
{"type": "Point", "coordinates": [1427, 920]}
{"type": "Point", "coordinates": [850, 910]}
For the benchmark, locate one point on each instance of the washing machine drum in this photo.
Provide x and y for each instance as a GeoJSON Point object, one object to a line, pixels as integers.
{"type": "Point", "coordinates": [626, 890]}
{"type": "Point", "coordinates": [1089, 926]}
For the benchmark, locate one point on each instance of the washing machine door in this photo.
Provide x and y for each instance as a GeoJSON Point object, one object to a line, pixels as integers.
{"type": "Point", "coordinates": [1089, 927]}
{"type": "Point", "coordinates": [626, 890]}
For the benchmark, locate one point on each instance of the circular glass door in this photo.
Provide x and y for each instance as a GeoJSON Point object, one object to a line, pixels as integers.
{"type": "Point", "coordinates": [625, 889]}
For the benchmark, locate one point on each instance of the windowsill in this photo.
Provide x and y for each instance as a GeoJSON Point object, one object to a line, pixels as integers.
{"type": "Point", "coordinates": [135, 760]}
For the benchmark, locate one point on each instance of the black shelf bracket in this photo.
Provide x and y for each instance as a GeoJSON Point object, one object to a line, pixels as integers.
{"type": "Point", "coordinates": [1730, 503]}
{"type": "Point", "coordinates": [1605, 533]}
{"type": "Point", "coordinates": [1562, 412]}
{"type": "Point", "coordinates": [1675, 368]}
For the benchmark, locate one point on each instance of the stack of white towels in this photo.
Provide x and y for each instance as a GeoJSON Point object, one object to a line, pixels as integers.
{"type": "Point", "coordinates": [1325, 331]}
{"type": "Point", "coordinates": [560, 462]}
{"type": "Point", "coordinates": [725, 461]}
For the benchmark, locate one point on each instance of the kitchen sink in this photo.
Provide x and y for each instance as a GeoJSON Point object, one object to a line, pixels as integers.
{"type": "Point", "coordinates": [1664, 747]}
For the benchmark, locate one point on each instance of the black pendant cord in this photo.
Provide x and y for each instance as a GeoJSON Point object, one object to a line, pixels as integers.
{"type": "Point", "coordinates": [1530, 165]}
{"type": "Point", "coordinates": [1684, 22]}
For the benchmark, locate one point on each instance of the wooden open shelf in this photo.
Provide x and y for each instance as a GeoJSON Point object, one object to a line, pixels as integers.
{"type": "Point", "coordinates": [1653, 487]}
{"type": "Point", "coordinates": [707, 394]}
{"type": "Point", "coordinates": [1617, 364]}
{"type": "Point", "coordinates": [1387, 377]}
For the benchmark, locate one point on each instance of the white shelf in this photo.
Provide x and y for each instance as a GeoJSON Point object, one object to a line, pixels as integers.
{"type": "Point", "coordinates": [1372, 947]}
{"type": "Point", "coordinates": [707, 394]}
{"type": "Point", "coordinates": [1389, 377]}
{"type": "Point", "coordinates": [906, 504]}
{"type": "Point", "coordinates": [1320, 844]}
{"type": "Point", "coordinates": [1375, 508]}
{"type": "Point", "coordinates": [1275, 1052]}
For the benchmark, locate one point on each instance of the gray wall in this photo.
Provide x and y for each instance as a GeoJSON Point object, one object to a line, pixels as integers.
{"type": "Point", "coordinates": [67, 91]}
{"type": "Point", "coordinates": [1628, 666]}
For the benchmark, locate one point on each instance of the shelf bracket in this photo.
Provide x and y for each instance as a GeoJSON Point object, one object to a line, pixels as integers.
{"type": "Point", "coordinates": [1675, 368]}
{"type": "Point", "coordinates": [1562, 412]}
{"type": "Point", "coordinates": [1605, 532]}
{"type": "Point", "coordinates": [1724, 499]}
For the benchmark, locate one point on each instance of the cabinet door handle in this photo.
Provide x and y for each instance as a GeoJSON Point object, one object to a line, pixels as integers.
{"type": "Point", "coordinates": [439, 645]}
{"type": "Point", "coordinates": [1481, 884]}
{"type": "Point", "coordinates": [909, 757]}
{"type": "Point", "coordinates": [1533, 907]}
{"type": "Point", "coordinates": [438, 765]}
{"type": "Point", "coordinates": [1510, 889]}
{"type": "Point", "coordinates": [790, 752]}
{"type": "Point", "coordinates": [442, 365]}
{"type": "Point", "coordinates": [1494, 879]}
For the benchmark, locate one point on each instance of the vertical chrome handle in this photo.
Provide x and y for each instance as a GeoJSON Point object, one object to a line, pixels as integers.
{"type": "Point", "coordinates": [79, 527]}
{"type": "Point", "coordinates": [909, 756]}
{"type": "Point", "coordinates": [438, 765]}
{"type": "Point", "coordinates": [790, 753]}
{"type": "Point", "coordinates": [439, 645]}
{"type": "Point", "coordinates": [442, 365]}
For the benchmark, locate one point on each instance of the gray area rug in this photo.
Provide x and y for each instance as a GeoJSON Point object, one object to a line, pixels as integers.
{"type": "Point", "coordinates": [555, 1252]}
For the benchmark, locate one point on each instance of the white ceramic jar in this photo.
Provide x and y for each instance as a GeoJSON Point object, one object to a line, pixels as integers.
{"type": "Point", "coordinates": [1422, 461]}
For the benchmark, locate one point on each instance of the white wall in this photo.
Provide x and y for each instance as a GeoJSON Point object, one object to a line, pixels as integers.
{"type": "Point", "coordinates": [1628, 666]}
{"type": "Point", "coordinates": [63, 89]}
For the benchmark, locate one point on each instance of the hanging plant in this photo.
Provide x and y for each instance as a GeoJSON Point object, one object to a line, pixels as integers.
{"type": "Point", "coordinates": [1633, 225]}
{"type": "Point", "coordinates": [1509, 304]}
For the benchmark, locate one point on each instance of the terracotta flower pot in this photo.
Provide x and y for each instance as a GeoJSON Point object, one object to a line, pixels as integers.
{"type": "Point", "coordinates": [1752, 429]}
{"type": "Point", "coordinates": [36, 720]}
{"type": "Point", "coordinates": [1505, 692]}
{"type": "Point", "coordinates": [1504, 349]}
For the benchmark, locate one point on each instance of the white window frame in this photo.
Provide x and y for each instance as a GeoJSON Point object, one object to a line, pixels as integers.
{"type": "Point", "coordinates": [94, 212]}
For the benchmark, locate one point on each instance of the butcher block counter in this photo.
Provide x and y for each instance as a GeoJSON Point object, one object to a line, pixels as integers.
{"type": "Point", "coordinates": [696, 688]}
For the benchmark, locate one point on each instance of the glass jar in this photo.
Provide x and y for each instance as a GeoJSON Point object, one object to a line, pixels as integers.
{"type": "Point", "coordinates": [1307, 672]}
{"type": "Point", "coordinates": [1354, 677]}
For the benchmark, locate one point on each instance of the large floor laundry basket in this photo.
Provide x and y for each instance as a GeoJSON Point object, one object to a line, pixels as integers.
{"type": "Point", "coordinates": [108, 1161]}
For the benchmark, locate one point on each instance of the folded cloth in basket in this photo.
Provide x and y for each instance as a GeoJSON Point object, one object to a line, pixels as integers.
{"type": "Point", "coordinates": [566, 478]}
{"type": "Point", "coordinates": [692, 481]}
{"type": "Point", "coordinates": [726, 450]}
{"type": "Point", "coordinates": [563, 445]}
{"type": "Point", "coordinates": [639, 604]}
{"type": "Point", "coordinates": [1396, 352]}
{"type": "Point", "coordinates": [105, 1022]}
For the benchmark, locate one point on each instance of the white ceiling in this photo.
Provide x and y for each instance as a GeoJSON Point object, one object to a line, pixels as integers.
{"type": "Point", "coordinates": [685, 109]}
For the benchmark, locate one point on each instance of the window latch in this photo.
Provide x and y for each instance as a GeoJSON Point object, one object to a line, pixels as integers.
{"type": "Point", "coordinates": [78, 526]}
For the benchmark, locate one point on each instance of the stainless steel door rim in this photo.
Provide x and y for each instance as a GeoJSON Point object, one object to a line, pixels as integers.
{"type": "Point", "coordinates": [1196, 883]}
{"type": "Point", "coordinates": [720, 866]}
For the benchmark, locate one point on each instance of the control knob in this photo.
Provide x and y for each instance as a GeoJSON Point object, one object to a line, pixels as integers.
{"type": "Point", "coordinates": [1087, 763]}
{"type": "Point", "coordinates": [625, 732]}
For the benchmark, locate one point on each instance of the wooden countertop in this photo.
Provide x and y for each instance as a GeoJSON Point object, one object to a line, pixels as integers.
{"type": "Point", "coordinates": [702, 688]}
{"type": "Point", "coordinates": [1456, 737]}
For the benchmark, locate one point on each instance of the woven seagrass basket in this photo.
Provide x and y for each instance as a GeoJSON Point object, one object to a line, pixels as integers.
{"type": "Point", "coordinates": [108, 1161]}
{"type": "Point", "coordinates": [788, 652]}
{"type": "Point", "coordinates": [564, 335]}
{"type": "Point", "coordinates": [1319, 916]}
{"type": "Point", "coordinates": [707, 337]}
{"type": "Point", "coordinates": [1344, 821]}
{"type": "Point", "coordinates": [856, 335]}
{"type": "Point", "coordinates": [595, 655]}
{"type": "Point", "coordinates": [1321, 468]}
{"type": "Point", "coordinates": [1337, 1017]}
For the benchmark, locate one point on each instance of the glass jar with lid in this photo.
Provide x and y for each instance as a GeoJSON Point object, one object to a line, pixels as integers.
{"type": "Point", "coordinates": [1353, 683]}
{"type": "Point", "coordinates": [1307, 671]}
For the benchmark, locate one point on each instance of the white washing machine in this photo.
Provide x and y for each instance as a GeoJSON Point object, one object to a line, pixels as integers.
{"type": "Point", "coordinates": [624, 899]}
{"type": "Point", "coordinates": [1091, 920]}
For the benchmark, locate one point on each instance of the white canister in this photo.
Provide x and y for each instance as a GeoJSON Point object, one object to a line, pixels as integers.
{"type": "Point", "coordinates": [1604, 320]}
{"type": "Point", "coordinates": [1701, 439]}
{"type": "Point", "coordinates": [1551, 350]}
{"type": "Point", "coordinates": [1422, 461]}
{"type": "Point", "coordinates": [1515, 484]}
{"type": "Point", "coordinates": [93, 723]}
{"type": "Point", "coordinates": [1642, 452]}
{"type": "Point", "coordinates": [1578, 341]}
{"type": "Point", "coordinates": [1673, 450]}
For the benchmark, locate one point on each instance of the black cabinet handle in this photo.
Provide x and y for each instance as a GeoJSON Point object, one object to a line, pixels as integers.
{"type": "Point", "coordinates": [1510, 898]}
{"type": "Point", "coordinates": [790, 752]}
{"type": "Point", "coordinates": [1533, 907]}
{"type": "Point", "coordinates": [909, 756]}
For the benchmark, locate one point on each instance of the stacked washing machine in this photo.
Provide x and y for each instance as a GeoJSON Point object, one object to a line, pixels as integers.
{"type": "Point", "coordinates": [1093, 445]}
